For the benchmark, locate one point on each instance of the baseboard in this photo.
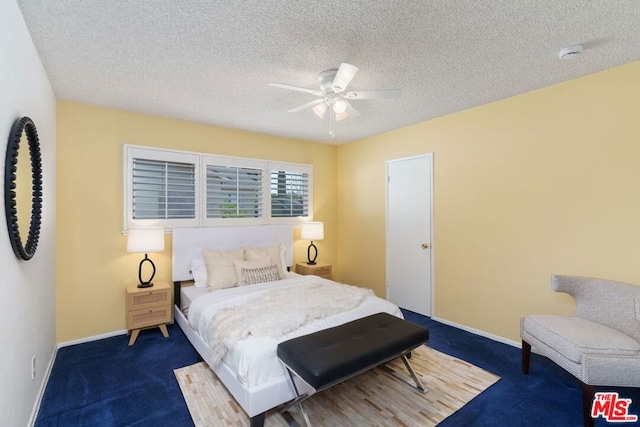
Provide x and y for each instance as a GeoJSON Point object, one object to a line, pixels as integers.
{"type": "Point", "coordinates": [479, 332]}
{"type": "Point", "coordinates": [43, 386]}
{"type": "Point", "coordinates": [93, 338]}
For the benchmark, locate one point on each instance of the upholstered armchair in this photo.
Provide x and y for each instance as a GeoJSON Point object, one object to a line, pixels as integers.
{"type": "Point", "coordinates": [599, 344]}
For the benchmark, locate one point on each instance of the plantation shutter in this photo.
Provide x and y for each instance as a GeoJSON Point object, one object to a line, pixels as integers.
{"type": "Point", "coordinates": [234, 192]}
{"type": "Point", "coordinates": [289, 194]}
{"type": "Point", "coordinates": [171, 188]}
{"type": "Point", "coordinates": [163, 190]}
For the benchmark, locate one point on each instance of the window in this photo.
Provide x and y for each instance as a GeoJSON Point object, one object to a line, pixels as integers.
{"type": "Point", "coordinates": [289, 194]}
{"type": "Point", "coordinates": [162, 188]}
{"type": "Point", "coordinates": [234, 192]}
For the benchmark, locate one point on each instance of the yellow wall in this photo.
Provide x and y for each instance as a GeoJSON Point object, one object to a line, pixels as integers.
{"type": "Point", "coordinates": [541, 183]}
{"type": "Point", "coordinates": [92, 264]}
{"type": "Point", "coordinates": [545, 182]}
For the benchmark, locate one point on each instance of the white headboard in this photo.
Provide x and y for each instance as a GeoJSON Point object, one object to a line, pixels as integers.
{"type": "Point", "coordinates": [189, 242]}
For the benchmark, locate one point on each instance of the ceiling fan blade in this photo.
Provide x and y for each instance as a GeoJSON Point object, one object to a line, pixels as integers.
{"type": "Point", "coordinates": [345, 74]}
{"type": "Point", "coordinates": [349, 113]}
{"type": "Point", "coordinates": [305, 106]}
{"type": "Point", "coordinates": [299, 89]}
{"type": "Point", "coordinates": [373, 94]}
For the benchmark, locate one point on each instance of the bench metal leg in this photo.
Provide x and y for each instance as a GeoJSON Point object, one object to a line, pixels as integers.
{"type": "Point", "coordinates": [416, 382]}
{"type": "Point", "coordinates": [296, 402]}
{"type": "Point", "coordinates": [413, 374]}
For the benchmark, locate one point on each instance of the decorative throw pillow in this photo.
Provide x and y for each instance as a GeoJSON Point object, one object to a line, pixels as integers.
{"type": "Point", "coordinates": [272, 252]}
{"type": "Point", "coordinates": [221, 273]}
{"type": "Point", "coordinates": [239, 265]}
{"type": "Point", "coordinates": [251, 276]}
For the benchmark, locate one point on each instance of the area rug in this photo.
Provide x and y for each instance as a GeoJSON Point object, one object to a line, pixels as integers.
{"type": "Point", "coordinates": [374, 398]}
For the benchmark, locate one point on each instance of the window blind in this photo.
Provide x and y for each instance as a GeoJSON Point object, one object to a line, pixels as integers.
{"type": "Point", "coordinates": [171, 188]}
{"type": "Point", "coordinates": [289, 194]}
{"type": "Point", "coordinates": [234, 192]}
{"type": "Point", "coordinates": [163, 190]}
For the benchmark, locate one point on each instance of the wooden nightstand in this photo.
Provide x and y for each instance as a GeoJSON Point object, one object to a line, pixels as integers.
{"type": "Point", "coordinates": [322, 270]}
{"type": "Point", "coordinates": [147, 308]}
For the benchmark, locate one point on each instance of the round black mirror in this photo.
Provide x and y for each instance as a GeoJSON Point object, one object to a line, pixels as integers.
{"type": "Point", "coordinates": [23, 187]}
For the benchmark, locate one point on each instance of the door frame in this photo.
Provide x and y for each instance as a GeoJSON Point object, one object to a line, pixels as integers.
{"type": "Point", "coordinates": [429, 156]}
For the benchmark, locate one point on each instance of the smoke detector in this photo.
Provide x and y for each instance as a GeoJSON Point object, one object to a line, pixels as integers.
{"type": "Point", "coordinates": [571, 51]}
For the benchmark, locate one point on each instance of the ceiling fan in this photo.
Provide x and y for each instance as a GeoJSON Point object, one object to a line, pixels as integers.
{"type": "Point", "coordinates": [332, 95]}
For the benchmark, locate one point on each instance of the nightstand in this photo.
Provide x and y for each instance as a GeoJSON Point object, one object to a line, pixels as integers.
{"type": "Point", "coordinates": [322, 270]}
{"type": "Point", "coordinates": [148, 308]}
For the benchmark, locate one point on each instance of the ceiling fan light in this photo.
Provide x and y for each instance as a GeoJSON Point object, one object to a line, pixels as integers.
{"type": "Point", "coordinates": [339, 106]}
{"type": "Point", "coordinates": [341, 116]}
{"type": "Point", "coordinates": [320, 109]}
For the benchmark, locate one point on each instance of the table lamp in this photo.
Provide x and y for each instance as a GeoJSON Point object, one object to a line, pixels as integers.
{"type": "Point", "coordinates": [145, 240]}
{"type": "Point", "coordinates": [312, 231]}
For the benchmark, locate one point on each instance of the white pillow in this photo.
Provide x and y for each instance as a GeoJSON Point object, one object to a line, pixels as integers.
{"type": "Point", "coordinates": [272, 252]}
{"type": "Point", "coordinates": [239, 265]}
{"type": "Point", "coordinates": [283, 259]}
{"type": "Point", "coordinates": [199, 273]}
{"type": "Point", "coordinates": [221, 273]}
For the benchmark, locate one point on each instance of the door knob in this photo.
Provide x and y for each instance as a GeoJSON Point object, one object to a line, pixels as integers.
{"type": "Point", "coordinates": [425, 246]}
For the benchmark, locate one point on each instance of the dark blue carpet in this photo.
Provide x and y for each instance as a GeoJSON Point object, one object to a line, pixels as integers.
{"type": "Point", "coordinates": [548, 396]}
{"type": "Point", "coordinates": [108, 383]}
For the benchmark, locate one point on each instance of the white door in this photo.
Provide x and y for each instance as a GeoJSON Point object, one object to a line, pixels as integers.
{"type": "Point", "coordinates": [409, 229]}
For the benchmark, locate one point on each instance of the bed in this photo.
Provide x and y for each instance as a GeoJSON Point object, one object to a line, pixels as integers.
{"type": "Point", "coordinates": [249, 367]}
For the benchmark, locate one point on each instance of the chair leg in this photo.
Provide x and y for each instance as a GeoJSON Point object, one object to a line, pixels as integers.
{"type": "Point", "coordinates": [526, 356]}
{"type": "Point", "coordinates": [588, 393]}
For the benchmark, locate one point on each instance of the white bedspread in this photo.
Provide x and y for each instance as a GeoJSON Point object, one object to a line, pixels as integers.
{"type": "Point", "coordinates": [253, 359]}
{"type": "Point", "coordinates": [279, 311]}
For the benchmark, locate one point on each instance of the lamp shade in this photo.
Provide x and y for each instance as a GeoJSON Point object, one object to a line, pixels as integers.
{"type": "Point", "coordinates": [312, 231]}
{"type": "Point", "coordinates": [145, 240]}
{"type": "Point", "coordinates": [320, 110]}
{"type": "Point", "coordinates": [339, 106]}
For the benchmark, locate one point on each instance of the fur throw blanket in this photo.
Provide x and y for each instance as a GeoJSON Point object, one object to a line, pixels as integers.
{"type": "Point", "coordinates": [280, 311]}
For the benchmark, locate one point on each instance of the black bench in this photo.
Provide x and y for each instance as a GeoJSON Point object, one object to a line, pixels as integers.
{"type": "Point", "coordinates": [328, 357]}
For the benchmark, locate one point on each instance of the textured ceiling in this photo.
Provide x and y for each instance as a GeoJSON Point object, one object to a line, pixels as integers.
{"type": "Point", "coordinates": [210, 61]}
